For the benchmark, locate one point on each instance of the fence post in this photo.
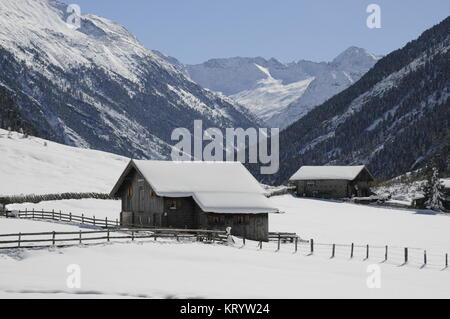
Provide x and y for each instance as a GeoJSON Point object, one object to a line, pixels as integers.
{"type": "Point", "coordinates": [367, 252]}
{"type": "Point", "coordinates": [425, 257]}
{"type": "Point", "coordinates": [279, 242]}
{"type": "Point", "coordinates": [53, 238]}
{"type": "Point", "coordinates": [60, 215]}
{"type": "Point", "coordinates": [32, 216]}
{"type": "Point", "coordinates": [406, 255]}
{"type": "Point", "coordinates": [243, 240]}
{"type": "Point", "coordinates": [386, 253]}
{"type": "Point", "coordinates": [94, 220]}
{"type": "Point", "coordinates": [70, 217]}
{"type": "Point", "coordinates": [106, 222]}
{"type": "Point", "coordinates": [81, 240]}
{"type": "Point", "coordinates": [107, 235]}
{"type": "Point", "coordinates": [42, 214]}
{"type": "Point", "coordinates": [53, 214]}
{"type": "Point", "coordinates": [20, 238]}
{"type": "Point", "coordinates": [312, 246]}
{"type": "Point", "coordinates": [132, 236]}
{"type": "Point", "coordinates": [333, 252]}
{"type": "Point", "coordinates": [352, 250]}
{"type": "Point", "coordinates": [82, 218]}
{"type": "Point", "coordinates": [446, 261]}
{"type": "Point", "coordinates": [260, 245]}
{"type": "Point", "coordinates": [296, 244]}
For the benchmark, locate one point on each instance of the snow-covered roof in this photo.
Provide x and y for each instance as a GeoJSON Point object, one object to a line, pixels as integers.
{"type": "Point", "coordinates": [217, 187]}
{"type": "Point", "coordinates": [327, 172]}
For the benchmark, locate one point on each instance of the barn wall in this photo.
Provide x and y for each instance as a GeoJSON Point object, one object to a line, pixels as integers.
{"type": "Point", "coordinates": [324, 188]}
{"type": "Point", "coordinates": [181, 217]}
{"type": "Point", "coordinates": [147, 209]}
{"type": "Point", "coordinates": [257, 227]}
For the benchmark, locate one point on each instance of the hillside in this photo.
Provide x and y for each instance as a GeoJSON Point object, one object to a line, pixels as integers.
{"type": "Point", "coordinates": [36, 166]}
{"type": "Point", "coordinates": [394, 119]}
{"type": "Point", "coordinates": [97, 86]}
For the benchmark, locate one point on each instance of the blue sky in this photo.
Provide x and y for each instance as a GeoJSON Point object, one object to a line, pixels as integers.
{"type": "Point", "coordinates": [196, 30]}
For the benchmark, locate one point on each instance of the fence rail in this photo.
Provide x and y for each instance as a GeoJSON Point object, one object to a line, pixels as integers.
{"type": "Point", "coordinates": [58, 239]}
{"type": "Point", "coordinates": [396, 255]}
{"type": "Point", "coordinates": [385, 254]}
{"type": "Point", "coordinates": [63, 217]}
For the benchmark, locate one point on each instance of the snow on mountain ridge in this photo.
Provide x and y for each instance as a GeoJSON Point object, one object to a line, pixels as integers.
{"type": "Point", "coordinates": [271, 96]}
{"type": "Point", "coordinates": [300, 85]}
{"type": "Point", "coordinates": [64, 45]}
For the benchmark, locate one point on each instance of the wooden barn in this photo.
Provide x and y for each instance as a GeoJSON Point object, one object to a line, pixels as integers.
{"type": "Point", "coordinates": [194, 195]}
{"type": "Point", "coordinates": [333, 182]}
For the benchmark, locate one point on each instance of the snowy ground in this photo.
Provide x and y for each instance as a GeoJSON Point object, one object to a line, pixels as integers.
{"type": "Point", "coordinates": [215, 271]}
{"type": "Point", "coordinates": [50, 168]}
{"type": "Point", "coordinates": [166, 269]}
{"type": "Point", "coordinates": [88, 207]}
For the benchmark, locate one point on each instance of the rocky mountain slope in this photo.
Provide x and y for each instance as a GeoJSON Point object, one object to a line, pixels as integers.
{"type": "Point", "coordinates": [97, 86]}
{"type": "Point", "coordinates": [280, 93]}
{"type": "Point", "coordinates": [394, 119]}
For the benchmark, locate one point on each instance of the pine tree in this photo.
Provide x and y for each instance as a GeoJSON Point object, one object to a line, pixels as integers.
{"type": "Point", "coordinates": [433, 191]}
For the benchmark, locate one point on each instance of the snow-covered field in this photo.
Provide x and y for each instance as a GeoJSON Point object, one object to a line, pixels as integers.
{"type": "Point", "coordinates": [36, 166]}
{"type": "Point", "coordinates": [166, 269]}
{"type": "Point", "coordinates": [162, 270]}
{"type": "Point", "coordinates": [88, 207]}
{"type": "Point", "coordinates": [216, 271]}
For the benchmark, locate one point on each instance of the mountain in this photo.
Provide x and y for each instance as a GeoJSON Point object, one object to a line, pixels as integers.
{"type": "Point", "coordinates": [280, 93]}
{"type": "Point", "coordinates": [394, 119]}
{"type": "Point", "coordinates": [97, 86]}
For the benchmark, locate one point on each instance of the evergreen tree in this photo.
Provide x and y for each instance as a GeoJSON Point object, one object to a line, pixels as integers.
{"type": "Point", "coordinates": [433, 191]}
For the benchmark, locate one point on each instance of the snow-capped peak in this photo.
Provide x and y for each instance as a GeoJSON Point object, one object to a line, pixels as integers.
{"type": "Point", "coordinates": [41, 25]}
{"type": "Point", "coordinates": [355, 58]}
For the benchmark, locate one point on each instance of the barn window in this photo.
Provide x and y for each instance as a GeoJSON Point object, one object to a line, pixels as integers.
{"type": "Point", "coordinates": [130, 191]}
{"type": "Point", "coordinates": [175, 204]}
{"type": "Point", "coordinates": [152, 194]}
{"type": "Point", "coordinates": [241, 219]}
{"type": "Point", "coordinates": [311, 183]}
{"type": "Point", "coordinates": [216, 220]}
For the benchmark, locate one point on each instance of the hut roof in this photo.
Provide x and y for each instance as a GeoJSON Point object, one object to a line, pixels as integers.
{"type": "Point", "coordinates": [217, 187]}
{"type": "Point", "coordinates": [328, 172]}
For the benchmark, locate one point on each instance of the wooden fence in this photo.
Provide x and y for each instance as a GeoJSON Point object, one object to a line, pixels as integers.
{"type": "Point", "coordinates": [395, 255]}
{"type": "Point", "coordinates": [63, 217]}
{"type": "Point", "coordinates": [65, 239]}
